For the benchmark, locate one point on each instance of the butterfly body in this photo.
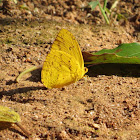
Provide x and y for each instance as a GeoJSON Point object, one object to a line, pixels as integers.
{"type": "Point", "coordinates": [64, 64]}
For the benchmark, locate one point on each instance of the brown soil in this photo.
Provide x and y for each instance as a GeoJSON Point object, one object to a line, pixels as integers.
{"type": "Point", "coordinates": [103, 105]}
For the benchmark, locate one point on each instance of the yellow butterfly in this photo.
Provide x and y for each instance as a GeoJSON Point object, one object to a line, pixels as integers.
{"type": "Point", "coordinates": [64, 64]}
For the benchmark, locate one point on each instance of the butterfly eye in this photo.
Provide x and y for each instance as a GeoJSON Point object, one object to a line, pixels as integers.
{"type": "Point", "coordinates": [86, 69]}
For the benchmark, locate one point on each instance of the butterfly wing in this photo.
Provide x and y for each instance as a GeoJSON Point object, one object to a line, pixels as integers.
{"type": "Point", "coordinates": [60, 69]}
{"type": "Point", "coordinates": [66, 42]}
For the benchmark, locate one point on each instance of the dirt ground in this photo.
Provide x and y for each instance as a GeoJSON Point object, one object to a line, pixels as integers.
{"type": "Point", "coordinates": [103, 105]}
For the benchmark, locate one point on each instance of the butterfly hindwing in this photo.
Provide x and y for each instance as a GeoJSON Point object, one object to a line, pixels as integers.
{"type": "Point", "coordinates": [60, 69]}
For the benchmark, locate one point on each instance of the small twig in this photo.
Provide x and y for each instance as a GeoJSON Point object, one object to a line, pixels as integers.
{"type": "Point", "coordinates": [27, 71]}
{"type": "Point", "coordinates": [93, 65]}
{"type": "Point", "coordinates": [23, 129]}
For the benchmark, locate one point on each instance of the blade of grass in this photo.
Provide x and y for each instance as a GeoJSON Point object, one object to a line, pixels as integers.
{"type": "Point", "coordinates": [103, 13]}
{"type": "Point", "coordinates": [105, 3]}
{"type": "Point", "coordinates": [114, 5]}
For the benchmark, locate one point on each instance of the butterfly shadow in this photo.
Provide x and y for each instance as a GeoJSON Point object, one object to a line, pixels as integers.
{"type": "Point", "coordinates": [20, 90]}
{"type": "Point", "coordinates": [123, 70]}
{"type": "Point", "coordinates": [35, 77]}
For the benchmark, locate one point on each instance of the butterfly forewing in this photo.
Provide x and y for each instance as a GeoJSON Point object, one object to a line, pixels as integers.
{"type": "Point", "coordinates": [66, 42]}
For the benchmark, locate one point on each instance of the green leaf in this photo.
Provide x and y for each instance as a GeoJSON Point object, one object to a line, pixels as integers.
{"type": "Point", "coordinates": [128, 53]}
{"type": "Point", "coordinates": [93, 4]}
{"type": "Point", "coordinates": [8, 115]}
{"type": "Point", "coordinates": [107, 11]}
{"type": "Point", "coordinates": [120, 16]}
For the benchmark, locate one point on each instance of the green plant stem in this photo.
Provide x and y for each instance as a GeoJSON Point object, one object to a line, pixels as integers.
{"type": "Point", "coordinates": [27, 71]}
{"type": "Point", "coordinates": [105, 3]}
{"type": "Point", "coordinates": [103, 12]}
